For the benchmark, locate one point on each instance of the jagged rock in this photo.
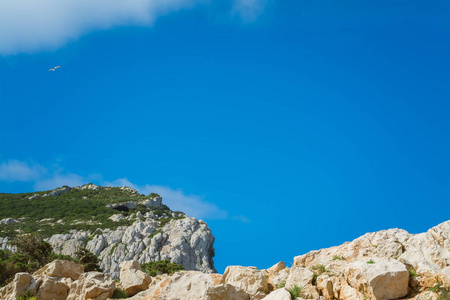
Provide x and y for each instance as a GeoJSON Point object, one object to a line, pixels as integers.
{"type": "Point", "coordinates": [280, 294]}
{"type": "Point", "coordinates": [249, 279]}
{"type": "Point", "coordinates": [58, 192]}
{"type": "Point", "coordinates": [299, 276]}
{"type": "Point", "coordinates": [192, 285]}
{"type": "Point", "coordinates": [8, 221]}
{"type": "Point", "coordinates": [62, 269]}
{"type": "Point", "coordinates": [325, 286]}
{"type": "Point", "coordinates": [50, 288]}
{"type": "Point", "coordinates": [132, 279]}
{"type": "Point", "coordinates": [17, 287]}
{"type": "Point", "coordinates": [382, 279]}
{"type": "Point", "coordinates": [93, 285]}
{"type": "Point", "coordinates": [116, 217]}
{"type": "Point", "coordinates": [187, 241]}
{"type": "Point", "coordinates": [349, 293]}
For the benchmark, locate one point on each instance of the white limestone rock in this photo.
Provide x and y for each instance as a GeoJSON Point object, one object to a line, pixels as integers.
{"type": "Point", "coordinates": [248, 279]}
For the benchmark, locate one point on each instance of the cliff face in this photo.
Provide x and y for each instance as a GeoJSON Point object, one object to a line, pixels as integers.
{"type": "Point", "coordinates": [152, 233]}
{"type": "Point", "coordinates": [383, 265]}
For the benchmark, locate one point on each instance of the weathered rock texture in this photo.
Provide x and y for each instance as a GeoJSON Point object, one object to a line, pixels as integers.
{"type": "Point", "coordinates": [187, 241]}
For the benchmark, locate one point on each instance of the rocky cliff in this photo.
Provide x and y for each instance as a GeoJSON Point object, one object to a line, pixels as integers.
{"type": "Point", "coordinates": [388, 264]}
{"type": "Point", "coordinates": [151, 232]}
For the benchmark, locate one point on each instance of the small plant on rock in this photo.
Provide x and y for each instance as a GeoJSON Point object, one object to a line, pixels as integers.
{"type": "Point", "coordinates": [296, 292]}
{"type": "Point", "coordinates": [337, 257]}
{"type": "Point", "coordinates": [370, 262]}
{"type": "Point", "coordinates": [27, 296]}
{"type": "Point", "coordinates": [165, 266]}
{"type": "Point", "coordinates": [442, 291]}
{"type": "Point", "coordinates": [412, 273]}
{"type": "Point", "coordinates": [119, 294]}
{"type": "Point", "coordinates": [282, 285]}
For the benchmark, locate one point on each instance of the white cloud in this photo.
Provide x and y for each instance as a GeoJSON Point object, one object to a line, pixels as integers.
{"type": "Point", "coordinates": [15, 170]}
{"type": "Point", "coordinates": [249, 10]}
{"type": "Point", "coordinates": [30, 25]}
{"type": "Point", "coordinates": [43, 178]}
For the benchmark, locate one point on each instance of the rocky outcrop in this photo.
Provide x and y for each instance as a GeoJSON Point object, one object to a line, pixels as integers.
{"type": "Point", "coordinates": [186, 241]}
{"type": "Point", "coordinates": [132, 279]}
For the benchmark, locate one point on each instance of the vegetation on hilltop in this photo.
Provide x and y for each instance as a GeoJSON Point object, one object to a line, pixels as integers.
{"type": "Point", "coordinates": [75, 210]}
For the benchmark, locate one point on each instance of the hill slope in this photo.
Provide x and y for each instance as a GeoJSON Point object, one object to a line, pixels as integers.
{"type": "Point", "coordinates": [115, 223]}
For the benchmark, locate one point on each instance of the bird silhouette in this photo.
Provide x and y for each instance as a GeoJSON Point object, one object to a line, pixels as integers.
{"type": "Point", "coordinates": [54, 68]}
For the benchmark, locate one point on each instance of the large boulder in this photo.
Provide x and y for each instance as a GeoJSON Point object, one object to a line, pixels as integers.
{"type": "Point", "coordinates": [62, 269]}
{"type": "Point", "coordinates": [280, 294]}
{"type": "Point", "coordinates": [190, 285]}
{"type": "Point", "coordinates": [17, 288]}
{"type": "Point", "coordinates": [92, 285]}
{"type": "Point", "coordinates": [299, 276]}
{"type": "Point", "coordinates": [132, 279]}
{"type": "Point", "coordinates": [249, 279]}
{"type": "Point", "coordinates": [51, 288]}
{"type": "Point", "coordinates": [383, 279]}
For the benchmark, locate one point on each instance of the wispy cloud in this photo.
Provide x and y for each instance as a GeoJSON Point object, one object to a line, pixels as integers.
{"type": "Point", "coordinates": [249, 10]}
{"type": "Point", "coordinates": [47, 178]}
{"type": "Point", "coordinates": [29, 25]}
{"type": "Point", "coordinates": [176, 199]}
{"type": "Point", "coordinates": [15, 170]}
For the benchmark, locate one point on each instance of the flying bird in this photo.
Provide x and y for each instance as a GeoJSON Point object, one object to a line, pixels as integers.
{"type": "Point", "coordinates": [54, 68]}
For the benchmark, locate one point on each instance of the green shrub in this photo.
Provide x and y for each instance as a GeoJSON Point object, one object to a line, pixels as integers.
{"type": "Point", "coordinates": [165, 266]}
{"type": "Point", "coordinates": [337, 257]}
{"type": "Point", "coordinates": [412, 273]}
{"type": "Point", "coordinates": [27, 296]}
{"type": "Point", "coordinates": [370, 262]}
{"type": "Point", "coordinates": [88, 259]}
{"type": "Point", "coordinates": [296, 292]}
{"type": "Point", "coordinates": [119, 294]}
{"type": "Point", "coordinates": [282, 285]}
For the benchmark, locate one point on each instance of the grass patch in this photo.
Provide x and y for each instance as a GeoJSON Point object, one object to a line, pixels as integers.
{"type": "Point", "coordinates": [337, 257]}
{"type": "Point", "coordinates": [119, 294]}
{"type": "Point", "coordinates": [296, 292]}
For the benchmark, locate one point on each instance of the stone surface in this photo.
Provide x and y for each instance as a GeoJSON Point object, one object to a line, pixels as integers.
{"type": "Point", "coordinates": [132, 279]}
{"type": "Point", "coordinates": [385, 279]}
{"type": "Point", "coordinates": [190, 285]}
{"type": "Point", "coordinates": [92, 285]}
{"type": "Point", "coordinates": [279, 294]}
{"type": "Point", "coordinates": [51, 288]}
{"type": "Point", "coordinates": [187, 242]}
{"type": "Point", "coordinates": [61, 268]}
{"type": "Point", "coordinates": [17, 287]}
{"type": "Point", "coordinates": [249, 279]}
{"type": "Point", "coordinates": [299, 277]}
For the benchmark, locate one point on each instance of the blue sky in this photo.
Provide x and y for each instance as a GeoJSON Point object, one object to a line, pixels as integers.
{"type": "Point", "coordinates": [288, 126]}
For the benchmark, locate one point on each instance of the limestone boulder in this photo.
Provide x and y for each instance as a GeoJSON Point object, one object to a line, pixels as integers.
{"type": "Point", "coordinates": [51, 288]}
{"type": "Point", "coordinates": [384, 279]}
{"type": "Point", "coordinates": [17, 287]}
{"type": "Point", "coordinates": [132, 279]}
{"type": "Point", "coordinates": [299, 276]}
{"type": "Point", "coordinates": [190, 285]}
{"type": "Point", "coordinates": [325, 286]}
{"type": "Point", "coordinates": [279, 294]}
{"type": "Point", "coordinates": [61, 269]}
{"type": "Point", "coordinates": [92, 285]}
{"type": "Point", "coordinates": [249, 279]}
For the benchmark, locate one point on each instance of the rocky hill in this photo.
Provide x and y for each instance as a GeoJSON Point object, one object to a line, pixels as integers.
{"type": "Point", "coordinates": [116, 223]}
{"type": "Point", "coordinates": [388, 264]}
{"type": "Point", "coordinates": [383, 265]}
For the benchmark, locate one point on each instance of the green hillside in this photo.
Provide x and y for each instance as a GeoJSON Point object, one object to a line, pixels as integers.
{"type": "Point", "coordinates": [78, 209]}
